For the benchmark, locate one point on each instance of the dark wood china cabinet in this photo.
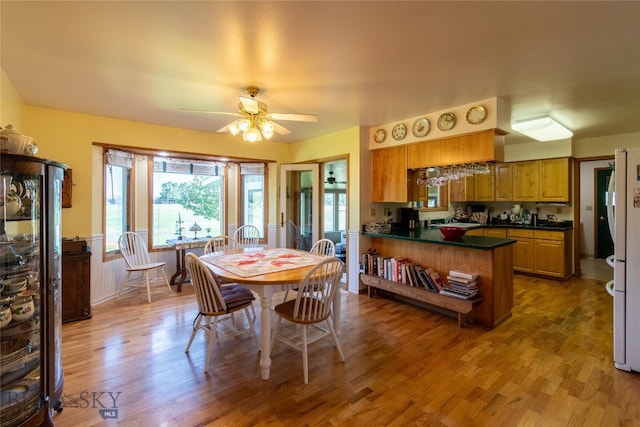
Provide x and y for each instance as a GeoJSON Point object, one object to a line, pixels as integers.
{"type": "Point", "coordinates": [31, 300]}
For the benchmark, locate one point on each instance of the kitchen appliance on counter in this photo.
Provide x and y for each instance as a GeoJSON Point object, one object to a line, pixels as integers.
{"type": "Point", "coordinates": [624, 207]}
{"type": "Point", "coordinates": [409, 218]}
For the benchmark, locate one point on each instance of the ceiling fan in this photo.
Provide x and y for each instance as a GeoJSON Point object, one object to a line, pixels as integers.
{"type": "Point", "coordinates": [332, 179]}
{"type": "Point", "coordinates": [254, 119]}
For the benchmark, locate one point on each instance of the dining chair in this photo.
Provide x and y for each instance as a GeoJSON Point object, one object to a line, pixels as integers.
{"type": "Point", "coordinates": [293, 235]}
{"type": "Point", "coordinates": [247, 236]}
{"type": "Point", "coordinates": [310, 309]}
{"type": "Point", "coordinates": [324, 247]}
{"type": "Point", "coordinates": [136, 257]}
{"type": "Point", "coordinates": [215, 301]}
{"type": "Point", "coordinates": [221, 243]}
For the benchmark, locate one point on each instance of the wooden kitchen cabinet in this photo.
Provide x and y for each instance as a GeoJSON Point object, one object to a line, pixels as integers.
{"type": "Point", "coordinates": [553, 253]}
{"type": "Point", "coordinates": [495, 232]}
{"type": "Point", "coordinates": [475, 188]}
{"type": "Point", "coordinates": [484, 186]}
{"type": "Point", "coordinates": [523, 252]}
{"type": "Point", "coordinates": [553, 180]}
{"type": "Point", "coordinates": [76, 280]}
{"type": "Point", "coordinates": [462, 190]}
{"type": "Point", "coordinates": [389, 174]}
{"type": "Point", "coordinates": [504, 182]}
{"type": "Point", "coordinates": [525, 181]}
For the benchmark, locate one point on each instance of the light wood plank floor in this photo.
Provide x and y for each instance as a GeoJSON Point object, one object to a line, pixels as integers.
{"type": "Point", "coordinates": [549, 365]}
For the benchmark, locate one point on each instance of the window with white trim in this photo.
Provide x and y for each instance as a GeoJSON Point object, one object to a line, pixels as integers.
{"type": "Point", "coordinates": [253, 195]}
{"type": "Point", "coordinates": [118, 196]}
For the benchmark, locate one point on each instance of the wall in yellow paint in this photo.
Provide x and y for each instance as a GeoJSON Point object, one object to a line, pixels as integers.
{"type": "Point", "coordinates": [344, 143]}
{"type": "Point", "coordinates": [67, 137]}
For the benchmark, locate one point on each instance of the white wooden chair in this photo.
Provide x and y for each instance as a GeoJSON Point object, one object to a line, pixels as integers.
{"type": "Point", "coordinates": [220, 243]}
{"type": "Point", "coordinates": [247, 236]}
{"type": "Point", "coordinates": [293, 235]}
{"type": "Point", "coordinates": [215, 301]}
{"type": "Point", "coordinates": [136, 257]}
{"type": "Point", "coordinates": [324, 247]}
{"type": "Point", "coordinates": [311, 307]}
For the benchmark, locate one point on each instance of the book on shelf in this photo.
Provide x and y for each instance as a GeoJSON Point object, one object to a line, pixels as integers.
{"type": "Point", "coordinates": [458, 293]}
{"type": "Point", "coordinates": [436, 279]}
{"type": "Point", "coordinates": [453, 282]}
{"type": "Point", "coordinates": [461, 275]}
{"type": "Point", "coordinates": [426, 280]}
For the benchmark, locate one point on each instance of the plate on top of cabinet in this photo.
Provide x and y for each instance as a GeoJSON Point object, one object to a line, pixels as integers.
{"type": "Point", "coordinates": [379, 135]}
{"type": "Point", "coordinates": [421, 127]}
{"type": "Point", "coordinates": [399, 131]}
{"type": "Point", "coordinates": [476, 114]}
{"type": "Point", "coordinates": [446, 121]}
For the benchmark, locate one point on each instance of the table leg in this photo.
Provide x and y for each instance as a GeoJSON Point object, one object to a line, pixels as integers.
{"type": "Point", "coordinates": [265, 335]}
{"type": "Point", "coordinates": [181, 269]}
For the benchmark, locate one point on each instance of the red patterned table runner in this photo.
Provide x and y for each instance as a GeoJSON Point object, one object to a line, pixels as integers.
{"type": "Point", "coordinates": [262, 261]}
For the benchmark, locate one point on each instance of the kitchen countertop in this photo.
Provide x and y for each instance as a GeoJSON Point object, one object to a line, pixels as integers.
{"type": "Point", "coordinates": [434, 236]}
{"type": "Point", "coordinates": [567, 225]}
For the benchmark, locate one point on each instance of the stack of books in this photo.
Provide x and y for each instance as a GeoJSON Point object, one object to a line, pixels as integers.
{"type": "Point", "coordinates": [461, 284]}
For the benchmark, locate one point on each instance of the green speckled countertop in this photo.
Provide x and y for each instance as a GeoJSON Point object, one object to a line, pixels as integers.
{"type": "Point", "coordinates": [434, 236]}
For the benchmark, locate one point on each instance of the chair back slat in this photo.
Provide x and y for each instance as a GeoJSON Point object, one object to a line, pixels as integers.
{"type": "Point", "coordinates": [324, 247]}
{"type": "Point", "coordinates": [133, 249]}
{"type": "Point", "coordinates": [317, 290]}
{"type": "Point", "coordinates": [206, 286]}
{"type": "Point", "coordinates": [220, 243]}
{"type": "Point", "coordinates": [247, 236]}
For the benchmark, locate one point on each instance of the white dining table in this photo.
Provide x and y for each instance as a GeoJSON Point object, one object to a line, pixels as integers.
{"type": "Point", "coordinates": [267, 271]}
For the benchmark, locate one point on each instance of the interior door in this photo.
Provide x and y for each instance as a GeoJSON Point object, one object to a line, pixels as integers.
{"type": "Point", "coordinates": [603, 241]}
{"type": "Point", "coordinates": [299, 205]}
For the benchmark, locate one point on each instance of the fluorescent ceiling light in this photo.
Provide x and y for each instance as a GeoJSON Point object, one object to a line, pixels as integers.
{"type": "Point", "coordinates": [542, 129]}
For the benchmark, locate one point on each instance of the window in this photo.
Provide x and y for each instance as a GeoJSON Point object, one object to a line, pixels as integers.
{"type": "Point", "coordinates": [335, 214]}
{"type": "Point", "coordinates": [118, 171]}
{"type": "Point", "coordinates": [252, 201]}
{"type": "Point", "coordinates": [186, 195]}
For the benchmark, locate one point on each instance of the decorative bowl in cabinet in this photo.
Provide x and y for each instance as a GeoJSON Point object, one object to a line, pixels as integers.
{"type": "Point", "coordinates": [453, 233]}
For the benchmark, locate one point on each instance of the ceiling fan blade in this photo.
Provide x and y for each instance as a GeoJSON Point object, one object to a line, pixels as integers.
{"type": "Point", "coordinates": [280, 129]}
{"type": "Point", "coordinates": [250, 105]}
{"type": "Point", "coordinates": [211, 112]}
{"type": "Point", "coordinates": [295, 117]}
{"type": "Point", "coordinates": [231, 127]}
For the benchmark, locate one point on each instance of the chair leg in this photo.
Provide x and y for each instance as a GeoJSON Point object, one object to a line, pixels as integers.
{"type": "Point", "coordinates": [196, 326]}
{"type": "Point", "coordinates": [276, 332]}
{"type": "Point", "coordinates": [146, 278]}
{"type": "Point", "coordinates": [166, 278]}
{"type": "Point", "coordinates": [335, 338]}
{"type": "Point", "coordinates": [253, 329]}
{"type": "Point", "coordinates": [305, 355]}
{"type": "Point", "coordinates": [212, 338]}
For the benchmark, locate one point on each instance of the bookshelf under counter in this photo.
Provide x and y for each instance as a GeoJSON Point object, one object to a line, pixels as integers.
{"type": "Point", "coordinates": [462, 307]}
{"type": "Point", "coordinates": [491, 258]}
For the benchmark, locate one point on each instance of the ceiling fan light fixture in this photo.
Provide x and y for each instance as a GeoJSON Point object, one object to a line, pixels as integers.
{"type": "Point", "coordinates": [267, 128]}
{"type": "Point", "coordinates": [244, 124]}
{"type": "Point", "coordinates": [233, 128]}
{"type": "Point", "coordinates": [542, 129]}
{"type": "Point", "coordinates": [252, 135]}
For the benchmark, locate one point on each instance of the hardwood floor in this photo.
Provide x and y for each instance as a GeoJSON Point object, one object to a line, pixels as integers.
{"type": "Point", "coordinates": [548, 365]}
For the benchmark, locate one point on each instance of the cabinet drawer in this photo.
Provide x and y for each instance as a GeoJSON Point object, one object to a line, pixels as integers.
{"type": "Point", "coordinates": [548, 235]}
{"type": "Point", "coordinates": [495, 232]}
{"type": "Point", "coordinates": [516, 232]}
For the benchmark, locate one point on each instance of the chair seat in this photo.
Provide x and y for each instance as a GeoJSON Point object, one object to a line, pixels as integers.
{"type": "Point", "coordinates": [143, 267]}
{"type": "Point", "coordinates": [236, 295]}
{"type": "Point", "coordinates": [286, 310]}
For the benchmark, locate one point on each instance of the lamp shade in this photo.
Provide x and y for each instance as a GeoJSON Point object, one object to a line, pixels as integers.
{"type": "Point", "coordinates": [542, 129]}
{"type": "Point", "coordinates": [252, 135]}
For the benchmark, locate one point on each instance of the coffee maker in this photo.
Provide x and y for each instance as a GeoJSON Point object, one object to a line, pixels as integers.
{"type": "Point", "coordinates": [409, 218]}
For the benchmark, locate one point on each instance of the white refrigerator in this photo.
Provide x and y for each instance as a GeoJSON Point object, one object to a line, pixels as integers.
{"type": "Point", "coordinates": [626, 275]}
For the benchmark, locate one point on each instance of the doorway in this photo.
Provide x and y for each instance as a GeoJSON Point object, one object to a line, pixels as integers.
{"type": "Point", "coordinates": [299, 205]}
{"type": "Point", "coordinates": [603, 241]}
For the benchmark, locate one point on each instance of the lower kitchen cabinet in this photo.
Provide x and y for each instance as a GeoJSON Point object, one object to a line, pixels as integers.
{"type": "Point", "coordinates": [523, 252]}
{"type": "Point", "coordinates": [542, 252]}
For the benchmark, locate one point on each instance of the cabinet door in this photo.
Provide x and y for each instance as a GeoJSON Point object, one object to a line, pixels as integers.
{"type": "Point", "coordinates": [475, 232]}
{"type": "Point", "coordinates": [523, 255]}
{"type": "Point", "coordinates": [389, 174]}
{"type": "Point", "coordinates": [461, 190]}
{"type": "Point", "coordinates": [484, 186]}
{"type": "Point", "coordinates": [496, 232]}
{"type": "Point", "coordinates": [504, 182]}
{"type": "Point", "coordinates": [549, 255]}
{"type": "Point", "coordinates": [553, 180]}
{"type": "Point", "coordinates": [525, 181]}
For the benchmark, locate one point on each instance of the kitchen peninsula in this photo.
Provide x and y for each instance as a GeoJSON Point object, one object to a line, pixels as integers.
{"type": "Point", "coordinates": [488, 257]}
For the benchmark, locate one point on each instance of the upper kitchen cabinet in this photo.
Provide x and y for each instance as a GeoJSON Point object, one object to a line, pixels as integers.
{"type": "Point", "coordinates": [525, 181]}
{"type": "Point", "coordinates": [475, 188]}
{"type": "Point", "coordinates": [553, 180]}
{"type": "Point", "coordinates": [389, 174]}
{"type": "Point", "coordinates": [544, 180]}
{"type": "Point", "coordinates": [479, 147]}
{"type": "Point", "coordinates": [504, 182]}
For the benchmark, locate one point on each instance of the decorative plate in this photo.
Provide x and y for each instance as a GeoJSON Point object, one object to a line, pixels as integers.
{"type": "Point", "coordinates": [476, 114]}
{"type": "Point", "coordinates": [446, 121]}
{"type": "Point", "coordinates": [379, 135]}
{"type": "Point", "coordinates": [399, 131]}
{"type": "Point", "coordinates": [421, 127]}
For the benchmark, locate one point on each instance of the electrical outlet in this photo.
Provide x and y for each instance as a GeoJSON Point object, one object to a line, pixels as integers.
{"type": "Point", "coordinates": [372, 212]}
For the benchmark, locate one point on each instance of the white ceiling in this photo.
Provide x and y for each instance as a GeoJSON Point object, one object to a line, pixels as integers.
{"type": "Point", "coordinates": [350, 63]}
